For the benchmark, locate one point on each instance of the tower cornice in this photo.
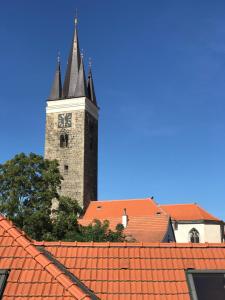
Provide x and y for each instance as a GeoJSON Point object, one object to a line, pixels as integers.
{"type": "Point", "coordinates": [72, 104]}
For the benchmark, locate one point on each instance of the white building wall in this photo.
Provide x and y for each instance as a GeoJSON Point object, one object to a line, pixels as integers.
{"type": "Point", "coordinates": [207, 232]}
{"type": "Point", "coordinates": [212, 233]}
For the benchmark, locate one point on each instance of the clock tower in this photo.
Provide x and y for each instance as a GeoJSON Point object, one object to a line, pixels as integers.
{"type": "Point", "coordinates": [72, 128]}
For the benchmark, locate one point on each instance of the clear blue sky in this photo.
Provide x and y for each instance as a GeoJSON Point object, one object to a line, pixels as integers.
{"type": "Point", "coordinates": [159, 70]}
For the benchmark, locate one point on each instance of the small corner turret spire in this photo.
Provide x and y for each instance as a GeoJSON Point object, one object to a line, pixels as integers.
{"type": "Point", "coordinates": [90, 84]}
{"type": "Point", "coordinates": [81, 86]}
{"type": "Point", "coordinates": [56, 91]}
{"type": "Point", "coordinates": [73, 66]}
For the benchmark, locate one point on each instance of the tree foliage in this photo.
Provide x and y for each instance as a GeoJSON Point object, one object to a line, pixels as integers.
{"type": "Point", "coordinates": [28, 183]}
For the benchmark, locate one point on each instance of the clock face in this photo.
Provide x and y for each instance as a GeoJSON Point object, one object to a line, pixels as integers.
{"type": "Point", "coordinates": [68, 120]}
{"type": "Point", "coordinates": [61, 120]}
{"type": "Point", "coordinates": [65, 120]}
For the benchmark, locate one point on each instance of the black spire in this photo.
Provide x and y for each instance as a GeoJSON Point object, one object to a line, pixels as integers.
{"type": "Point", "coordinates": [90, 87]}
{"type": "Point", "coordinates": [56, 91]}
{"type": "Point", "coordinates": [81, 87]}
{"type": "Point", "coordinates": [72, 67]}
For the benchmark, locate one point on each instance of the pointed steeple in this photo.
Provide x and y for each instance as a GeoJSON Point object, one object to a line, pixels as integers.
{"type": "Point", "coordinates": [81, 87]}
{"type": "Point", "coordinates": [90, 86]}
{"type": "Point", "coordinates": [56, 91]}
{"type": "Point", "coordinates": [72, 67]}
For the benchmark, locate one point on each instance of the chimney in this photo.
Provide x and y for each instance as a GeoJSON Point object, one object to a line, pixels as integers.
{"type": "Point", "coordinates": [124, 218]}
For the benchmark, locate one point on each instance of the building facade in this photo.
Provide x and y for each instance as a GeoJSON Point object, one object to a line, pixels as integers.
{"type": "Point", "coordinates": [193, 224]}
{"type": "Point", "coordinates": [72, 128]}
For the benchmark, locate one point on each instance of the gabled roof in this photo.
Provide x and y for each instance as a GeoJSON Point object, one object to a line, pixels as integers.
{"type": "Point", "coordinates": [146, 221]}
{"type": "Point", "coordinates": [114, 208]}
{"type": "Point", "coordinates": [137, 270]}
{"type": "Point", "coordinates": [33, 275]}
{"type": "Point", "coordinates": [71, 270]}
{"type": "Point", "coordinates": [188, 212]}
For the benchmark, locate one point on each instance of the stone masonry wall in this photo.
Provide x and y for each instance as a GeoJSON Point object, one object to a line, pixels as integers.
{"type": "Point", "coordinates": [90, 159]}
{"type": "Point", "coordinates": [72, 157]}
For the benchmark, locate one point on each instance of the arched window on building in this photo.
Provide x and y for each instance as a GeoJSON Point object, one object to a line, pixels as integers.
{"type": "Point", "coordinates": [194, 236]}
{"type": "Point", "coordinates": [64, 140]}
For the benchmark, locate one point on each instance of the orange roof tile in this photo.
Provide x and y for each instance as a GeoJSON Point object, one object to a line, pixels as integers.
{"type": "Point", "coordinates": [114, 208]}
{"type": "Point", "coordinates": [111, 270]}
{"type": "Point", "coordinates": [187, 212]}
{"type": "Point", "coordinates": [146, 221]}
{"type": "Point", "coordinates": [32, 273]}
{"type": "Point", "coordinates": [137, 270]}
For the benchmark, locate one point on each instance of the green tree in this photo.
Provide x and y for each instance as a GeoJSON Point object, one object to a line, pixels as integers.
{"type": "Point", "coordinates": [67, 228]}
{"type": "Point", "coordinates": [99, 231]}
{"type": "Point", "coordinates": [28, 183]}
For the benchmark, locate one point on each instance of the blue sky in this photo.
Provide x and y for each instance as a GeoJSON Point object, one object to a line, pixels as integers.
{"type": "Point", "coordinates": [159, 70]}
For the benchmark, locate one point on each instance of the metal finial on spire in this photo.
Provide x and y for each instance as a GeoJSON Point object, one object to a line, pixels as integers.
{"type": "Point", "coordinates": [76, 18]}
{"type": "Point", "coordinates": [82, 53]}
{"type": "Point", "coordinates": [90, 62]}
{"type": "Point", "coordinates": [58, 57]}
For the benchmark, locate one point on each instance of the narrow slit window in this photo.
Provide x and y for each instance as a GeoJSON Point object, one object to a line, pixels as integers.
{"type": "Point", "coordinates": [64, 141]}
{"type": "Point", "coordinates": [66, 169]}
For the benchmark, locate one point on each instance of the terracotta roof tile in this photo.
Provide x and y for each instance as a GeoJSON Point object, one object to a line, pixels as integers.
{"type": "Point", "coordinates": [147, 222]}
{"type": "Point", "coordinates": [114, 208]}
{"type": "Point", "coordinates": [139, 271]}
{"type": "Point", "coordinates": [32, 274]}
{"type": "Point", "coordinates": [187, 212]}
{"type": "Point", "coordinates": [112, 270]}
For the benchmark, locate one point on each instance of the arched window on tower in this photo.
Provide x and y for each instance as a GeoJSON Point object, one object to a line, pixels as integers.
{"type": "Point", "coordinates": [64, 140]}
{"type": "Point", "coordinates": [194, 236]}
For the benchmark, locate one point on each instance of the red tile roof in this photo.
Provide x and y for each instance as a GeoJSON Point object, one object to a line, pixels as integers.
{"type": "Point", "coordinates": [32, 274]}
{"type": "Point", "coordinates": [137, 270]}
{"type": "Point", "coordinates": [188, 212]}
{"type": "Point", "coordinates": [146, 221]}
{"type": "Point", "coordinates": [111, 270]}
{"type": "Point", "coordinates": [144, 229]}
{"type": "Point", "coordinates": [114, 208]}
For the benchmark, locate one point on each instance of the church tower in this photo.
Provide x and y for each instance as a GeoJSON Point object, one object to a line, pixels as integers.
{"type": "Point", "coordinates": [72, 128]}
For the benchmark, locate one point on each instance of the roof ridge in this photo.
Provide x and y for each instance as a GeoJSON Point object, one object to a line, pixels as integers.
{"type": "Point", "coordinates": [129, 244]}
{"type": "Point", "coordinates": [117, 200]}
{"type": "Point", "coordinates": [50, 267]}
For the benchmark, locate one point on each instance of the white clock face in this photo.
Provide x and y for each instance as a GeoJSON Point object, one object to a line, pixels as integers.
{"type": "Point", "coordinates": [68, 120]}
{"type": "Point", "coordinates": [61, 120]}
{"type": "Point", "coordinates": [65, 120]}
